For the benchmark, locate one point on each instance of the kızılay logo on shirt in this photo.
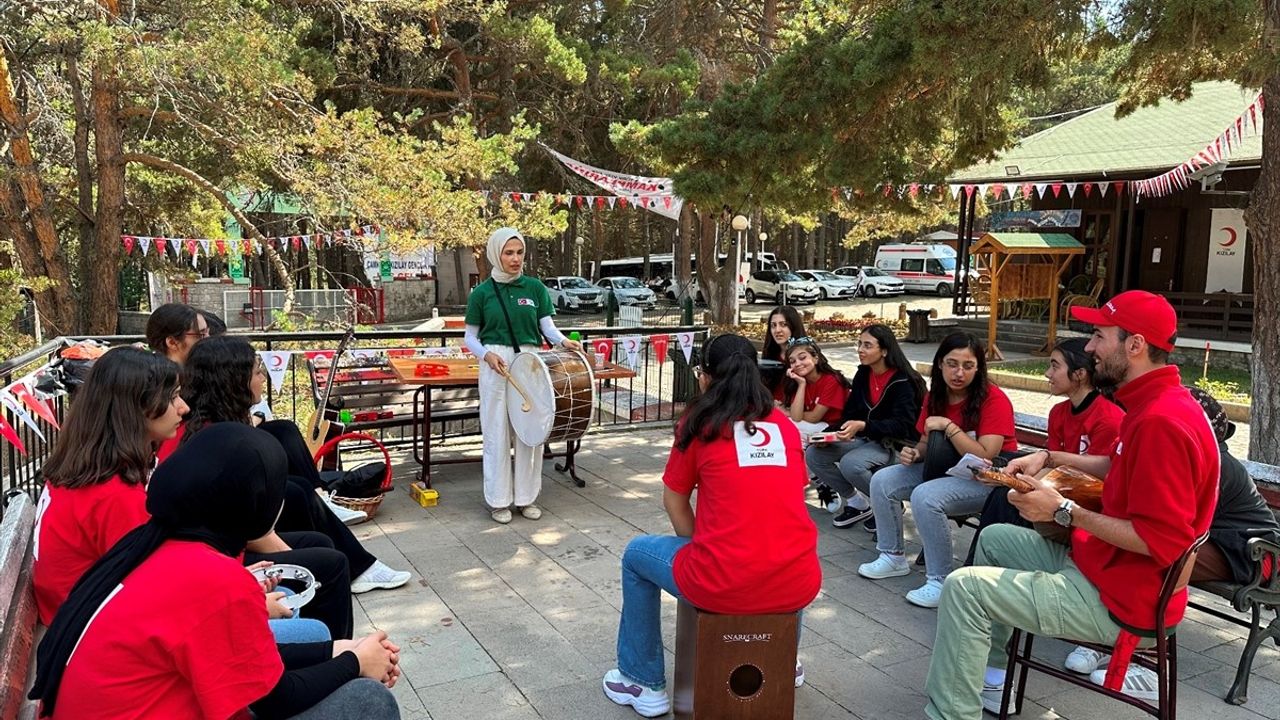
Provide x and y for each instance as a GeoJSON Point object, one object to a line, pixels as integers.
{"type": "Point", "coordinates": [1084, 444]}
{"type": "Point", "coordinates": [762, 448]}
{"type": "Point", "coordinates": [525, 301]}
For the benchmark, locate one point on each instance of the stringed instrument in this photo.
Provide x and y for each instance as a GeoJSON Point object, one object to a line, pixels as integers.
{"type": "Point", "coordinates": [1076, 485]}
{"type": "Point", "coordinates": [320, 427]}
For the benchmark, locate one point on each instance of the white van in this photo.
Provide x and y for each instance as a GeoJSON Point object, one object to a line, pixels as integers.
{"type": "Point", "coordinates": [922, 267]}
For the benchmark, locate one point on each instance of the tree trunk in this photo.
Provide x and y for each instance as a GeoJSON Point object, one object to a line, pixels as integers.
{"type": "Point", "coordinates": [718, 284]}
{"type": "Point", "coordinates": [1264, 227]}
{"type": "Point", "coordinates": [85, 220]}
{"type": "Point", "coordinates": [103, 255]}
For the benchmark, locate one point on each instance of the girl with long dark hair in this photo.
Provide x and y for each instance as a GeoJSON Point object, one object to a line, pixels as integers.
{"type": "Point", "coordinates": [883, 405]}
{"type": "Point", "coordinates": [814, 393]}
{"type": "Point", "coordinates": [174, 328]}
{"type": "Point", "coordinates": [783, 323]}
{"type": "Point", "coordinates": [751, 547]}
{"type": "Point", "coordinates": [168, 624]}
{"type": "Point", "coordinates": [967, 414]}
{"type": "Point", "coordinates": [224, 378]}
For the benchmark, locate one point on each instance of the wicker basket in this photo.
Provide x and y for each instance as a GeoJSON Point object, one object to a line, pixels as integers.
{"type": "Point", "coordinates": [369, 505]}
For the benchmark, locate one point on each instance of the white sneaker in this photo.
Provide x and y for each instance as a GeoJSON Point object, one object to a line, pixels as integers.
{"type": "Point", "coordinates": [346, 515]}
{"type": "Point", "coordinates": [991, 697]}
{"type": "Point", "coordinates": [799, 674]}
{"type": "Point", "coordinates": [531, 512]}
{"type": "Point", "coordinates": [1139, 682]}
{"type": "Point", "coordinates": [835, 506]}
{"type": "Point", "coordinates": [646, 701]}
{"type": "Point", "coordinates": [885, 566]}
{"type": "Point", "coordinates": [1084, 660]}
{"type": "Point", "coordinates": [379, 576]}
{"type": "Point", "coordinates": [501, 515]}
{"type": "Point", "coordinates": [927, 595]}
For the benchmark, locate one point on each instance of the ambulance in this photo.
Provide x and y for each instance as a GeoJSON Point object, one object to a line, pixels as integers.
{"type": "Point", "coordinates": [922, 267]}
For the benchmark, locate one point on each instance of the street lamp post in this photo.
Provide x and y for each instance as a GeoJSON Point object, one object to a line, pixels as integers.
{"type": "Point", "coordinates": [760, 258]}
{"type": "Point", "coordinates": [578, 241]}
{"type": "Point", "coordinates": [740, 225]}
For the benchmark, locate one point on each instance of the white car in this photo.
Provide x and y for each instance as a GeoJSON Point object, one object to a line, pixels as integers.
{"type": "Point", "coordinates": [830, 285]}
{"type": "Point", "coordinates": [669, 289]}
{"type": "Point", "coordinates": [628, 291]}
{"type": "Point", "coordinates": [570, 292]}
{"type": "Point", "coordinates": [874, 282]}
{"type": "Point", "coordinates": [768, 285]}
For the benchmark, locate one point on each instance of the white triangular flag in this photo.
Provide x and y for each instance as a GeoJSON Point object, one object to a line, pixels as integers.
{"type": "Point", "coordinates": [306, 240]}
{"type": "Point", "coordinates": [613, 200]}
{"type": "Point", "coordinates": [204, 245]}
{"type": "Point", "coordinates": [145, 244]}
{"type": "Point", "coordinates": [1071, 190]}
{"type": "Point", "coordinates": [277, 362]}
{"type": "Point", "coordinates": [686, 344]}
{"type": "Point", "coordinates": [1040, 187]}
{"type": "Point", "coordinates": [631, 343]}
{"type": "Point", "coordinates": [17, 409]}
{"type": "Point", "coordinates": [1103, 187]}
{"type": "Point", "coordinates": [955, 191]}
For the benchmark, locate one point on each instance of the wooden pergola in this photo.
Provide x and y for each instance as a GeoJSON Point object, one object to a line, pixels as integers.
{"type": "Point", "coordinates": [1024, 266]}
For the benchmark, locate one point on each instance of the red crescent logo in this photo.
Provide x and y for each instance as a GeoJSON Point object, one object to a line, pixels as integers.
{"type": "Point", "coordinates": [632, 344]}
{"type": "Point", "coordinates": [1231, 231]}
{"type": "Point", "coordinates": [767, 437]}
{"type": "Point", "coordinates": [277, 361]}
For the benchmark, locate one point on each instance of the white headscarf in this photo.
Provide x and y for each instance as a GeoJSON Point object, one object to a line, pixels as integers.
{"type": "Point", "coordinates": [497, 241]}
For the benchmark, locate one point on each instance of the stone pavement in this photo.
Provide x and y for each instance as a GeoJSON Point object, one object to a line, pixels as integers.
{"type": "Point", "coordinates": [519, 622]}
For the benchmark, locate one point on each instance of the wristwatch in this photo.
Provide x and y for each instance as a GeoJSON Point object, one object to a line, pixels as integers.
{"type": "Point", "coordinates": [1062, 515]}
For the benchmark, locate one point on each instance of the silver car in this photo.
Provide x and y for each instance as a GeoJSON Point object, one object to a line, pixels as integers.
{"type": "Point", "coordinates": [874, 282]}
{"type": "Point", "coordinates": [830, 285]}
{"type": "Point", "coordinates": [769, 284]}
{"type": "Point", "coordinates": [628, 291]}
{"type": "Point", "coordinates": [570, 292]}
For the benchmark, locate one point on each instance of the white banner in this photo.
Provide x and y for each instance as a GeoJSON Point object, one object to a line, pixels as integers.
{"type": "Point", "coordinates": [636, 188]}
{"type": "Point", "coordinates": [277, 362]}
{"type": "Point", "coordinates": [631, 343]}
{"type": "Point", "coordinates": [1228, 238]}
{"type": "Point", "coordinates": [686, 344]}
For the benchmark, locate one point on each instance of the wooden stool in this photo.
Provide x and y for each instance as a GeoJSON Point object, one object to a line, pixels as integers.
{"type": "Point", "coordinates": [734, 667]}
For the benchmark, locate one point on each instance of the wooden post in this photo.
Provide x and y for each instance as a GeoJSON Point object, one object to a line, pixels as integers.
{"type": "Point", "coordinates": [993, 350]}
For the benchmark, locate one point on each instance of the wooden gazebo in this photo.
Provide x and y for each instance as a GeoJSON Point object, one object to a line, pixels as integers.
{"type": "Point", "coordinates": [1024, 266]}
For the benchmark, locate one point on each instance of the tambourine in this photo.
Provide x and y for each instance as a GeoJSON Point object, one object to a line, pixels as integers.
{"type": "Point", "coordinates": [294, 575]}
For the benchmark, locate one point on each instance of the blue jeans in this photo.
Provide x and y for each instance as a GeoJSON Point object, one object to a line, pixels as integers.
{"type": "Point", "coordinates": [647, 569]}
{"type": "Point", "coordinates": [298, 629]}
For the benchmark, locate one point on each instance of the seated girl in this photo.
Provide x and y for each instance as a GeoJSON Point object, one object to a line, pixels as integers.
{"type": "Point", "coordinates": [223, 379]}
{"type": "Point", "coordinates": [884, 402]}
{"type": "Point", "coordinates": [814, 393]}
{"type": "Point", "coordinates": [735, 555]}
{"type": "Point", "coordinates": [168, 624]}
{"type": "Point", "coordinates": [96, 479]}
{"type": "Point", "coordinates": [784, 322]}
{"type": "Point", "coordinates": [969, 415]}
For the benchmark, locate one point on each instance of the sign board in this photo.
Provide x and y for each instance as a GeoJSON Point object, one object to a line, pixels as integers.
{"type": "Point", "coordinates": [1228, 237]}
{"type": "Point", "coordinates": [390, 266]}
{"type": "Point", "coordinates": [1034, 219]}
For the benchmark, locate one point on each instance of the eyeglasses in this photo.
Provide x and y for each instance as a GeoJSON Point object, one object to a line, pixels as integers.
{"type": "Point", "coordinates": [198, 333]}
{"type": "Point", "coordinates": [953, 365]}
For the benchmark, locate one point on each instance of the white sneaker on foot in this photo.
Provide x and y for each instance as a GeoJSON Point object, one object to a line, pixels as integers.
{"type": "Point", "coordinates": [346, 515]}
{"type": "Point", "coordinates": [1084, 660]}
{"type": "Point", "coordinates": [991, 697]}
{"type": "Point", "coordinates": [799, 674]}
{"type": "Point", "coordinates": [885, 566]}
{"type": "Point", "coordinates": [835, 506]}
{"type": "Point", "coordinates": [1139, 682]}
{"type": "Point", "coordinates": [927, 595]}
{"type": "Point", "coordinates": [646, 701]}
{"type": "Point", "coordinates": [531, 512]}
{"type": "Point", "coordinates": [501, 515]}
{"type": "Point", "coordinates": [379, 577]}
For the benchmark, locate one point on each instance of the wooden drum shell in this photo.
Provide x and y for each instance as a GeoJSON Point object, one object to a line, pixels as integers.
{"type": "Point", "coordinates": [561, 385]}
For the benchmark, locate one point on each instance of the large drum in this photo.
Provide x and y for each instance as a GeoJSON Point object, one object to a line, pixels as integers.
{"type": "Point", "coordinates": [561, 396]}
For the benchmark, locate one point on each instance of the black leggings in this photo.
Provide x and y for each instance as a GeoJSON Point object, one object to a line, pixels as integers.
{"type": "Point", "coordinates": [315, 552]}
{"type": "Point", "coordinates": [295, 450]}
{"type": "Point", "coordinates": [305, 511]}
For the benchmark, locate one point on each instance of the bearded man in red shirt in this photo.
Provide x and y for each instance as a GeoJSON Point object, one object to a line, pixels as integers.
{"type": "Point", "coordinates": [1158, 497]}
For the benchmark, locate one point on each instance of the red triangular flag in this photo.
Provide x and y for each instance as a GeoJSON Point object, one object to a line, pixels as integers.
{"type": "Point", "coordinates": [1119, 186]}
{"type": "Point", "coordinates": [296, 241]}
{"type": "Point", "coordinates": [888, 188]}
{"type": "Point", "coordinates": [600, 201]}
{"type": "Point", "coordinates": [129, 240]}
{"type": "Point", "coordinates": [997, 189]}
{"type": "Point", "coordinates": [221, 246]}
{"type": "Point", "coordinates": [191, 247]}
{"type": "Point", "coordinates": [913, 190]}
{"type": "Point", "coordinates": [581, 199]}
{"type": "Point", "coordinates": [1088, 189]}
{"type": "Point", "coordinates": [622, 200]}
{"type": "Point", "coordinates": [21, 391]}
{"type": "Point", "coordinates": [8, 433]}
{"type": "Point", "coordinates": [160, 245]}
{"type": "Point", "coordinates": [660, 343]}
{"type": "Point", "coordinates": [1057, 189]}
{"type": "Point", "coordinates": [666, 200]}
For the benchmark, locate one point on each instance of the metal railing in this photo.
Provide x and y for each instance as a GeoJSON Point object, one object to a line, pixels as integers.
{"type": "Point", "coordinates": [656, 393]}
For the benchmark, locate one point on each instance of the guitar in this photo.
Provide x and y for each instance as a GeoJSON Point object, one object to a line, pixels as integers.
{"type": "Point", "coordinates": [319, 428]}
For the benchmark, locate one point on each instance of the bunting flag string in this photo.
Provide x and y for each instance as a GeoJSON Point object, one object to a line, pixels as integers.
{"type": "Point", "coordinates": [193, 246]}
{"type": "Point", "coordinates": [1246, 124]}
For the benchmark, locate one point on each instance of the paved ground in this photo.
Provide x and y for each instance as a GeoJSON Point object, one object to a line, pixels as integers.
{"type": "Point", "coordinates": [519, 621]}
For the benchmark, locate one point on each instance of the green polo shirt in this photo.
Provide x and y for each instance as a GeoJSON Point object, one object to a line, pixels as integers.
{"type": "Point", "coordinates": [527, 302]}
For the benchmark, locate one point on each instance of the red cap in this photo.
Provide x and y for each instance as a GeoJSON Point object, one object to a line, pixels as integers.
{"type": "Point", "coordinates": [1138, 312]}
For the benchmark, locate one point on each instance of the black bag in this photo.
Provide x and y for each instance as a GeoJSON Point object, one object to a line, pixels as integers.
{"type": "Point", "coordinates": [362, 482]}
{"type": "Point", "coordinates": [939, 456]}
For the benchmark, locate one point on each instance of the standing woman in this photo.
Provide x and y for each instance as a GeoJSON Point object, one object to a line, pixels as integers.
{"type": "Point", "coordinates": [783, 324]}
{"type": "Point", "coordinates": [970, 415]}
{"type": "Point", "coordinates": [508, 314]}
{"type": "Point", "coordinates": [883, 405]}
{"type": "Point", "coordinates": [750, 548]}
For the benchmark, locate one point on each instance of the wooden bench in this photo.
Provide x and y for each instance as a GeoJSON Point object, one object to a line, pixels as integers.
{"type": "Point", "coordinates": [17, 608]}
{"type": "Point", "coordinates": [1254, 598]}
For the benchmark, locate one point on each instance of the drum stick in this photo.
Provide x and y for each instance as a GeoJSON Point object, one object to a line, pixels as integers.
{"type": "Point", "coordinates": [527, 404]}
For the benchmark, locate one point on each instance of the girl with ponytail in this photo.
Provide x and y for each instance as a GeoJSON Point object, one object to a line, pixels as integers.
{"type": "Point", "coordinates": [750, 549]}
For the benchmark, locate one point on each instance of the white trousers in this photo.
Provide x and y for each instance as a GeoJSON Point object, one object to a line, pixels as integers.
{"type": "Point", "coordinates": [505, 485]}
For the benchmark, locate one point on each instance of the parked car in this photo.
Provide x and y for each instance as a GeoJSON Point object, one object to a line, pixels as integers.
{"type": "Point", "coordinates": [569, 292]}
{"type": "Point", "coordinates": [768, 285]}
{"type": "Point", "coordinates": [830, 285]}
{"type": "Point", "coordinates": [628, 291]}
{"type": "Point", "coordinates": [669, 289]}
{"type": "Point", "coordinates": [874, 282]}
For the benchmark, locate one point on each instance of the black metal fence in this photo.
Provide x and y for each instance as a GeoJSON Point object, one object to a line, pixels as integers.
{"type": "Point", "coordinates": [663, 381]}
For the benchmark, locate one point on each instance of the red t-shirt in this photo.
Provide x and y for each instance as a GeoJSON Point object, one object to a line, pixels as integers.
{"type": "Point", "coordinates": [995, 418]}
{"type": "Point", "coordinates": [184, 636]}
{"type": "Point", "coordinates": [877, 384]}
{"type": "Point", "coordinates": [826, 391]}
{"type": "Point", "coordinates": [1090, 431]}
{"type": "Point", "coordinates": [76, 527]}
{"type": "Point", "coordinates": [754, 549]}
{"type": "Point", "coordinates": [1163, 478]}
{"type": "Point", "coordinates": [168, 446]}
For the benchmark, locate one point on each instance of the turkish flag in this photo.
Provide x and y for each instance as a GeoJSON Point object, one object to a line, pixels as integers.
{"type": "Point", "coordinates": [603, 346]}
{"type": "Point", "coordinates": [660, 343]}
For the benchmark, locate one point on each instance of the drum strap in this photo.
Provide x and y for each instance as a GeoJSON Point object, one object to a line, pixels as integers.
{"type": "Point", "coordinates": [511, 330]}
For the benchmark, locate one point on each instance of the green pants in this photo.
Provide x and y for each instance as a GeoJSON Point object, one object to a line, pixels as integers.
{"type": "Point", "coordinates": [1019, 579]}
